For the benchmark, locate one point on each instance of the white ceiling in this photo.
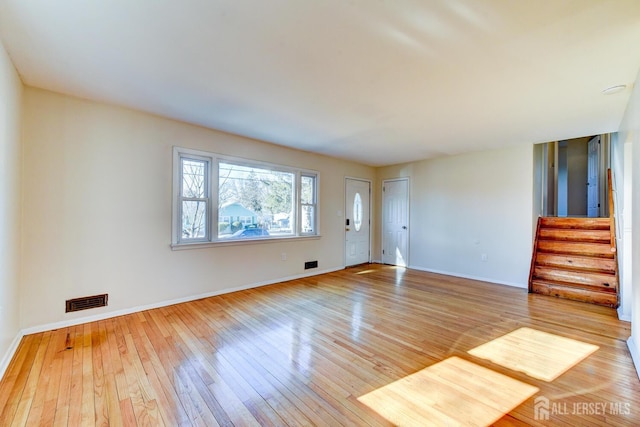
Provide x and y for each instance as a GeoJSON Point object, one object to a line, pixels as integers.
{"type": "Point", "coordinates": [377, 81]}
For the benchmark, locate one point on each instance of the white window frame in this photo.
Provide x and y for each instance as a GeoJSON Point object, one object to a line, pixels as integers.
{"type": "Point", "coordinates": [212, 218]}
{"type": "Point", "coordinates": [314, 203]}
{"type": "Point", "coordinates": [178, 198]}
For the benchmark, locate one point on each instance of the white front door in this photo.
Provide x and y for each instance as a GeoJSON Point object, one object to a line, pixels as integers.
{"type": "Point", "coordinates": [357, 224]}
{"type": "Point", "coordinates": [395, 222]}
{"type": "Point", "coordinates": [593, 164]}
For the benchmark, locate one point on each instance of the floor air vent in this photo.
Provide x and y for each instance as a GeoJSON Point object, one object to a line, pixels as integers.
{"type": "Point", "coordinates": [310, 264]}
{"type": "Point", "coordinates": [86, 303]}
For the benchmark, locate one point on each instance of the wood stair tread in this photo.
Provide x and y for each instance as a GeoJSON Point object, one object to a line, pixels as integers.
{"type": "Point", "coordinates": [602, 250]}
{"type": "Point", "coordinates": [568, 275]}
{"type": "Point", "coordinates": [593, 236]}
{"type": "Point", "coordinates": [574, 292]}
{"type": "Point", "coordinates": [575, 223]}
{"type": "Point", "coordinates": [576, 262]}
{"type": "Point", "coordinates": [558, 283]}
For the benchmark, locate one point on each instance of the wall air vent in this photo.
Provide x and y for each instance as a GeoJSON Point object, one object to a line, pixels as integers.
{"type": "Point", "coordinates": [86, 303]}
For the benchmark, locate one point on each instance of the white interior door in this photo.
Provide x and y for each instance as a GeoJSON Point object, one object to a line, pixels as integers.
{"type": "Point", "coordinates": [593, 163]}
{"type": "Point", "coordinates": [395, 220]}
{"type": "Point", "coordinates": [357, 221]}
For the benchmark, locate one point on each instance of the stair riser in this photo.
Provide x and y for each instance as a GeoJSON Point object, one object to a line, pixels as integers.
{"type": "Point", "coordinates": [606, 281]}
{"type": "Point", "coordinates": [576, 223]}
{"type": "Point", "coordinates": [594, 236]}
{"type": "Point", "coordinates": [571, 248]}
{"type": "Point", "coordinates": [597, 265]}
{"type": "Point", "coordinates": [600, 298]}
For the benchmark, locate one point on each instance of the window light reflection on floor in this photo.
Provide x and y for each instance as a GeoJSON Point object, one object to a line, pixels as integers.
{"type": "Point", "coordinates": [400, 259]}
{"type": "Point", "coordinates": [366, 271]}
{"type": "Point", "coordinates": [387, 267]}
{"type": "Point", "coordinates": [451, 392]}
{"type": "Point", "coordinates": [538, 354]}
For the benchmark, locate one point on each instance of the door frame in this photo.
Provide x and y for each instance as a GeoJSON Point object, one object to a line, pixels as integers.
{"type": "Point", "coordinates": [408, 181]}
{"type": "Point", "coordinates": [344, 216]}
{"type": "Point", "coordinates": [552, 153]}
{"type": "Point", "coordinates": [599, 178]}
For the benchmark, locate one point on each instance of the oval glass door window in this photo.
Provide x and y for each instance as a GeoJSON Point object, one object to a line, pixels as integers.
{"type": "Point", "coordinates": [357, 211]}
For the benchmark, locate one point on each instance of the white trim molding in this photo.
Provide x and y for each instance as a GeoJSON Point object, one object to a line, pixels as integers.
{"type": "Point", "coordinates": [11, 351]}
{"type": "Point", "coordinates": [635, 354]}
{"type": "Point", "coordinates": [110, 314]}
{"type": "Point", "coordinates": [622, 315]}
{"type": "Point", "coordinates": [467, 276]}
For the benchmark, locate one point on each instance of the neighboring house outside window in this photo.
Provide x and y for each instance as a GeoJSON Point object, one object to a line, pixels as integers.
{"type": "Point", "coordinates": [220, 199]}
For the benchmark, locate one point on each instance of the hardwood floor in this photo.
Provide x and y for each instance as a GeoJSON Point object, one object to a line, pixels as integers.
{"type": "Point", "coordinates": [371, 345]}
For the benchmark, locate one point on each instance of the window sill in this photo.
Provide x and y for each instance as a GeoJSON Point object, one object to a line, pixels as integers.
{"type": "Point", "coordinates": [219, 243]}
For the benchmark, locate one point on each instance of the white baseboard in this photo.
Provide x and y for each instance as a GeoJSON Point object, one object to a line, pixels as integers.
{"type": "Point", "coordinates": [635, 354]}
{"type": "Point", "coordinates": [466, 276]}
{"type": "Point", "coordinates": [623, 316]}
{"type": "Point", "coordinates": [6, 359]}
{"type": "Point", "coordinates": [110, 314]}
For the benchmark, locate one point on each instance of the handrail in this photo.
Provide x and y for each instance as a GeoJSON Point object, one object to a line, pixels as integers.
{"type": "Point", "coordinates": [612, 227]}
{"type": "Point", "coordinates": [612, 218]}
{"type": "Point", "coordinates": [534, 255]}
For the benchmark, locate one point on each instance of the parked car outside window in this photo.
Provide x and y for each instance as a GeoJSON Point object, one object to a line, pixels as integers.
{"type": "Point", "coordinates": [248, 233]}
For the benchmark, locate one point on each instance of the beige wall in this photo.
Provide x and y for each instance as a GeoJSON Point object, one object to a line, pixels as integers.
{"type": "Point", "coordinates": [467, 205]}
{"type": "Point", "coordinates": [97, 210]}
{"type": "Point", "coordinates": [10, 196]}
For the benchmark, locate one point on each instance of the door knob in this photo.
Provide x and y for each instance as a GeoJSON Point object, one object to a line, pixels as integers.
{"type": "Point", "coordinates": [404, 227]}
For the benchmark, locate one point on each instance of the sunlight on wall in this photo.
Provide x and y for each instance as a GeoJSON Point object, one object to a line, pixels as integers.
{"type": "Point", "coordinates": [538, 354]}
{"type": "Point", "coordinates": [451, 392]}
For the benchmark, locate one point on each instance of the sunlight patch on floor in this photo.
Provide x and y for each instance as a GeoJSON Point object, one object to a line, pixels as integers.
{"type": "Point", "coordinates": [538, 354]}
{"type": "Point", "coordinates": [451, 392]}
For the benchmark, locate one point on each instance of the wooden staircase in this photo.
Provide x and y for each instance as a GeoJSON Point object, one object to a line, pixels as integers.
{"type": "Point", "coordinates": [574, 258]}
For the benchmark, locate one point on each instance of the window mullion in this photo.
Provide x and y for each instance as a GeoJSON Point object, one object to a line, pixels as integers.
{"type": "Point", "coordinates": [297, 203]}
{"type": "Point", "coordinates": [194, 199]}
{"type": "Point", "coordinates": [214, 177]}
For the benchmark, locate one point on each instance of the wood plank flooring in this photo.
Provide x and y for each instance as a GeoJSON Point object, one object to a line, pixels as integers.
{"type": "Point", "coordinates": [372, 345]}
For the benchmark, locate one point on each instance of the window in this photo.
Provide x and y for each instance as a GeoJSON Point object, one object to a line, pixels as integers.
{"type": "Point", "coordinates": [194, 200]}
{"type": "Point", "coordinates": [308, 203]}
{"type": "Point", "coordinates": [357, 211]}
{"type": "Point", "coordinates": [219, 199]}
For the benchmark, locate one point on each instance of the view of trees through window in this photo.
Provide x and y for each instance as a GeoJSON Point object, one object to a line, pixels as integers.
{"type": "Point", "coordinates": [252, 197]}
{"type": "Point", "coordinates": [194, 195]}
{"type": "Point", "coordinates": [254, 200]}
{"type": "Point", "coordinates": [308, 203]}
